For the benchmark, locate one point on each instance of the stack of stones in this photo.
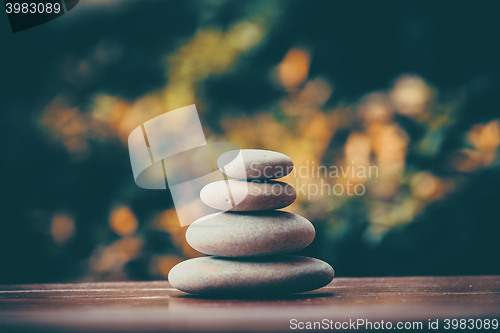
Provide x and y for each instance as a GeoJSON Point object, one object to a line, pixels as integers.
{"type": "Point", "coordinates": [249, 243]}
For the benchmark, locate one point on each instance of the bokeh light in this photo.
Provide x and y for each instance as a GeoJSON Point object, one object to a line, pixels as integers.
{"type": "Point", "coordinates": [420, 133]}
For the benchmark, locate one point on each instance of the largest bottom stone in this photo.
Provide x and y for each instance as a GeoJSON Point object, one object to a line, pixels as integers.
{"type": "Point", "coordinates": [283, 274]}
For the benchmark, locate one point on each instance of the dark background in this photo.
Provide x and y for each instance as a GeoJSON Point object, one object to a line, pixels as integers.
{"type": "Point", "coordinates": [65, 173]}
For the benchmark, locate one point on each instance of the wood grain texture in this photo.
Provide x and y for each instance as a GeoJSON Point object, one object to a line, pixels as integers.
{"type": "Point", "coordinates": [156, 306]}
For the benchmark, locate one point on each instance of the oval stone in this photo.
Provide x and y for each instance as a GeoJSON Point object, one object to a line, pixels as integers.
{"type": "Point", "coordinates": [239, 195]}
{"type": "Point", "coordinates": [271, 275]}
{"type": "Point", "coordinates": [255, 164]}
{"type": "Point", "coordinates": [252, 234]}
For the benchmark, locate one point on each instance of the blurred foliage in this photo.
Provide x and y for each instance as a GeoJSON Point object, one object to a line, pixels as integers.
{"type": "Point", "coordinates": [410, 88]}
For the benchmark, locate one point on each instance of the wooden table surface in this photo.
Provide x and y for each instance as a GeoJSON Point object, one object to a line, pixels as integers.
{"type": "Point", "coordinates": [156, 306]}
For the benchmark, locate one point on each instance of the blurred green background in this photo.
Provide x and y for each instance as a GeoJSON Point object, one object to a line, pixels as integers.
{"type": "Point", "coordinates": [412, 87]}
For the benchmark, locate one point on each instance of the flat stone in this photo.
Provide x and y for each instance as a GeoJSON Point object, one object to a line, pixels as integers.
{"type": "Point", "coordinates": [239, 195]}
{"type": "Point", "coordinates": [268, 275]}
{"type": "Point", "coordinates": [251, 234]}
{"type": "Point", "coordinates": [255, 164]}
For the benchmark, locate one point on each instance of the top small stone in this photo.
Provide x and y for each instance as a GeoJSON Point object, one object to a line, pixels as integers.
{"type": "Point", "coordinates": [255, 164]}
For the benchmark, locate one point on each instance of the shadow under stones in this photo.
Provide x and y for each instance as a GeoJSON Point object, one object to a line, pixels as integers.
{"type": "Point", "coordinates": [259, 297]}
